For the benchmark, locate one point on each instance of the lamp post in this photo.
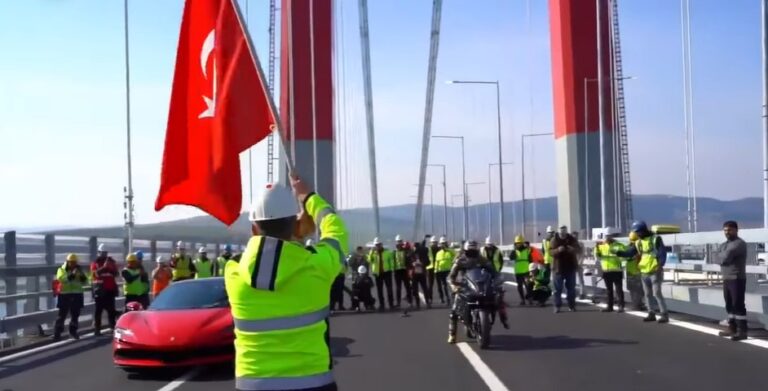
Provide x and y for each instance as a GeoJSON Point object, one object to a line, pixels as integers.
{"type": "Point", "coordinates": [501, 232]}
{"type": "Point", "coordinates": [498, 129]}
{"type": "Point", "coordinates": [431, 206]}
{"type": "Point", "coordinates": [466, 191]}
{"type": "Point", "coordinates": [522, 169]}
{"type": "Point", "coordinates": [586, 153]}
{"type": "Point", "coordinates": [463, 180]}
{"type": "Point", "coordinates": [445, 198]}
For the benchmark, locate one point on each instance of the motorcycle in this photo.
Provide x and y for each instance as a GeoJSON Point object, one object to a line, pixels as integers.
{"type": "Point", "coordinates": [476, 305]}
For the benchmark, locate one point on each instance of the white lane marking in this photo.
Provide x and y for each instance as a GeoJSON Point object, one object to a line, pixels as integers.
{"type": "Point", "coordinates": [176, 383]}
{"type": "Point", "coordinates": [490, 379]}
{"type": "Point", "coordinates": [679, 323]}
{"type": "Point", "coordinates": [43, 348]}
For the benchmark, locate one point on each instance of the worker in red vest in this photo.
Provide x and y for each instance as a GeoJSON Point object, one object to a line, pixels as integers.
{"type": "Point", "coordinates": [103, 273]}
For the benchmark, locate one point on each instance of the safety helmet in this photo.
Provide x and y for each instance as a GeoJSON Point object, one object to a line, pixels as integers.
{"type": "Point", "coordinates": [180, 245]}
{"type": "Point", "coordinates": [443, 240]}
{"type": "Point", "coordinates": [533, 266]}
{"type": "Point", "coordinates": [398, 238]}
{"type": "Point", "coordinates": [362, 270]}
{"type": "Point", "coordinates": [102, 248]}
{"type": "Point", "coordinates": [140, 255]}
{"type": "Point", "coordinates": [276, 202]}
{"type": "Point", "coordinates": [160, 259]}
{"type": "Point", "coordinates": [72, 257]}
{"type": "Point", "coordinates": [550, 229]}
{"type": "Point", "coordinates": [228, 248]}
{"type": "Point", "coordinates": [470, 245]}
{"type": "Point", "coordinates": [639, 226]}
{"type": "Point", "coordinates": [633, 237]}
{"type": "Point", "coordinates": [308, 243]}
{"type": "Point", "coordinates": [519, 239]}
{"type": "Point", "coordinates": [376, 241]}
{"type": "Point", "coordinates": [202, 250]}
{"type": "Point", "coordinates": [433, 239]}
{"type": "Point", "coordinates": [488, 241]}
{"type": "Point", "coordinates": [131, 258]}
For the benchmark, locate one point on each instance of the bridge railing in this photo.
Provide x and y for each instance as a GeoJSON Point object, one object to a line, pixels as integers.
{"type": "Point", "coordinates": [28, 264]}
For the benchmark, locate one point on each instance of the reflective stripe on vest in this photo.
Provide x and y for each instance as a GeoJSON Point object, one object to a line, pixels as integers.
{"type": "Point", "coordinates": [608, 261]}
{"type": "Point", "coordinates": [548, 258]}
{"type": "Point", "coordinates": [265, 267]}
{"type": "Point", "coordinates": [284, 383]}
{"type": "Point", "coordinates": [399, 259]}
{"type": "Point", "coordinates": [335, 244]}
{"type": "Point", "coordinates": [522, 261]}
{"type": "Point", "coordinates": [289, 322]}
{"type": "Point", "coordinates": [649, 263]}
{"type": "Point", "coordinates": [321, 215]}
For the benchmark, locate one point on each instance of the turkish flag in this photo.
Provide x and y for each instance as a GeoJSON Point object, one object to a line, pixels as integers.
{"type": "Point", "coordinates": [219, 108]}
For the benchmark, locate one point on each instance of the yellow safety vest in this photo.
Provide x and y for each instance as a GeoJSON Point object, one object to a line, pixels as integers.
{"type": "Point", "coordinates": [494, 257]}
{"type": "Point", "coordinates": [182, 269]}
{"type": "Point", "coordinates": [522, 260]}
{"type": "Point", "coordinates": [135, 287]}
{"type": "Point", "coordinates": [444, 260]}
{"type": "Point", "coordinates": [386, 259]}
{"type": "Point", "coordinates": [649, 263]}
{"type": "Point", "coordinates": [431, 255]}
{"type": "Point", "coordinates": [548, 258]}
{"type": "Point", "coordinates": [221, 263]}
{"type": "Point", "coordinates": [605, 253]}
{"type": "Point", "coordinates": [400, 257]}
{"type": "Point", "coordinates": [69, 286]}
{"type": "Point", "coordinates": [278, 294]}
{"type": "Point", "coordinates": [203, 268]}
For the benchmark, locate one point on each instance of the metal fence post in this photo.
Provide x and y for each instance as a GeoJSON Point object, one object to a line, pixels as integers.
{"type": "Point", "coordinates": [93, 247]}
{"type": "Point", "coordinates": [50, 259]}
{"type": "Point", "coordinates": [9, 239]}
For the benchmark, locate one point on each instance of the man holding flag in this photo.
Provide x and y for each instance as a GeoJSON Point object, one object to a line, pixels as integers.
{"type": "Point", "coordinates": [278, 289]}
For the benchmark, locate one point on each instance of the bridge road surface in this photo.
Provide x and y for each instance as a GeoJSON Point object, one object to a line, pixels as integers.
{"type": "Point", "coordinates": [586, 350]}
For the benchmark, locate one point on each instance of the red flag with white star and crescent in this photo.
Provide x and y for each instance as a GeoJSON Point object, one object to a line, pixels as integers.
{"type": "Point", "coordinates": [219, 108]}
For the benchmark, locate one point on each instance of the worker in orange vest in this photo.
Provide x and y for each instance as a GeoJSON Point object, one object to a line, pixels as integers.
{"type": "Point", "coordinates": [161, 276]}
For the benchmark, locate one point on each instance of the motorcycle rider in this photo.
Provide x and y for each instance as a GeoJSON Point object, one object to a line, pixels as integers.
{"type": "Point", "coordinates": [471, 259]}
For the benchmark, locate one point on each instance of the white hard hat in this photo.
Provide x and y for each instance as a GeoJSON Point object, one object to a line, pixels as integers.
{"type": "Point", "coordinates": [102, 248]}
{"type": "Point", "coordinates": [433, 239]}
{"type": "Point", "coordinates": [160, 259]}
{"type": "Point", "coordinates": [180, 245]}
{"type": "Point", "coordinates": [398, 238]}
{"type": "Point", "coordinates": [308, 243]}
{"type": "Point", "coordinates": [442, 240]}
{"type": "Point", "coordinates": [202, 250]}
{"type": "Point", "coordinates": [362, 269]}
{"type": "Point", "coordinates": [376, 241]}
{"type": "Point", "coordinates": [550, 229]}
{"type": "Point", "coordinates": [488, 240]}
{"type": "Point", "coordinates": [533, 266]}
{"type": "Point", "coordinates": [276, 202]}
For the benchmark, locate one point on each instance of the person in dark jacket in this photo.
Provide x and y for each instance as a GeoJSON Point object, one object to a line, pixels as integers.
{"type": "Point", "coordinates": [103, 273]}
{"type": "Point", "coordinates": [732, 257]}
{"type": "Point", "coordinates": [361, 290]}
{"type": "Point", "coordinates": [417, 270]}
{"type": "Point", "coordinates": [564, 248]}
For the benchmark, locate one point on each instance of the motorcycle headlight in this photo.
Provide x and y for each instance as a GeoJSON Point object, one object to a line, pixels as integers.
{"type": "Point", "coordinates": [121, 333]}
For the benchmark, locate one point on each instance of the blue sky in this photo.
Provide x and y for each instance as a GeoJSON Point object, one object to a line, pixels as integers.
{"type": "Point", "coordinates": [62, 99]}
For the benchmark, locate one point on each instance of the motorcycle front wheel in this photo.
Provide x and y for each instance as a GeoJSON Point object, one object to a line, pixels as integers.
{"type": "Point", "coordinates": [484, 329]}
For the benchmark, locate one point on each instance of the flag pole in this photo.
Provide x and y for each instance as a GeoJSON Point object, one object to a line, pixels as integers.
{"type": "Point", "coordinates": [250, 149]}
{"type": "Point", "coordinates": [129, 194]}
{"type": "Point", "coordinates": [288, 159]}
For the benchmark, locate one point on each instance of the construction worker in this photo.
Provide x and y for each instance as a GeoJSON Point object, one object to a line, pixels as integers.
{"type": "Point", "coordinates": [401, 272]}
{"type": "Point", "coordinates": [634, 278]}
{"type": "Point", "coordinates": [204, 267]}
{"type": "Point", "coordinates": [161, 276]}
{"type": "Point", "coordinates": [653, 256]}
{"type": "Point", "coordinates": [521, 256]}
{"type": "Point", "coordinates": [136, 281]}
{"type": "Point", "coordinates": [382, 262]}
{"type": "Point", "coordinates": [732, 257]}
{"type": "Point", "coordinates": [546, 244]}
{"type": "Point", "coordinates": [443, 263]}
{"type": "Point", "coordinates": [278, 293]}
{"type": "Point", "coordinates": [355, 260]}
{"type": "Point", "coordinates": [470, 259]}
{"type": "Point", "coordinates": [432, 251]}
{"type": "Point", "coordinates": [104, 288]}
{"type": "Point", "coordinates": [493, 254]}
{"type": "Point", "coordinates": [538, 279]}
{"type": "Point", "coordinates": [565, 250]}
{"type": "Point", "coordinates": [71, 278]}
{"type": "Point", "coordinates": [418, 275]}
{"type": "Point", "coordinates": [610, 263]}
{"type": "Point", "coordinates": [221, 261]}
{"type": "Point", "coordinates": [181, 263]}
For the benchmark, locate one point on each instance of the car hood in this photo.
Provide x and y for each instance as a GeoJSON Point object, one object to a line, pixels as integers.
{"type": "Point", "coordinates": [182, 328]}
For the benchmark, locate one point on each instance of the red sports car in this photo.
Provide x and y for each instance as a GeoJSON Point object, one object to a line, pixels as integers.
{"type": "Point", "coordinates": [189, 323]}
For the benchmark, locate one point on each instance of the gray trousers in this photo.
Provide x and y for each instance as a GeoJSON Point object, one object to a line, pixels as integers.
{"type": "Point", "coordinates": [652, 288]}
{"type": "Point", "coordinates": [635, 288]}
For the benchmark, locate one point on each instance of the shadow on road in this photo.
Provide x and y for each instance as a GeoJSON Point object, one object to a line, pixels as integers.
{"type": "Point", "coordinates": [45, 358]}
{"type": "Point", "coordinates": [521, 342]}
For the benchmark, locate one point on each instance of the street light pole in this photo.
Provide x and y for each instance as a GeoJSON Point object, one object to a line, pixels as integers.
{"type": "Point", "coordinates": [501, 232]}
{"type": "Point", "coordinates": [498, 131]}
{"type": "Point", "coordinates": [445, 199]}
{"type": "Point", "coordinates": [522, 169]}
{"type": "Point", "coordinates": [463, 181]}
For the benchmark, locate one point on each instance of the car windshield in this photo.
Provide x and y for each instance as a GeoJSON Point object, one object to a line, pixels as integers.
{"type": "Point", "coordinates": [196, 294]}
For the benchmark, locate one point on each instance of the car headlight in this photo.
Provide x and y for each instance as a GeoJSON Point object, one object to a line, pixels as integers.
{"type": "Point", "coordinates": [121, 333]}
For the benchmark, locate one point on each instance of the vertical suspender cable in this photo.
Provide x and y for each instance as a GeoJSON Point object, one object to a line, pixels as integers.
{"type": "Point", "coordinates": [291, 89]}
{"type": "Point", "coordinates": [692, 131]}
{"type": "Point", "coordinates": [529, 26]}
{"type": "Point", "coordinates": [314, 103]}
{"type": "Point", "coordinates": [250, 152]}
{"type": "Point", "coordinates": [688, 181]}
{"type": "Point", "coordinates": [129, 195]}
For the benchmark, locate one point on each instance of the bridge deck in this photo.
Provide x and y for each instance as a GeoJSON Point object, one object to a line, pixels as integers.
{"type": "Point", "coordinates": [586, 350]}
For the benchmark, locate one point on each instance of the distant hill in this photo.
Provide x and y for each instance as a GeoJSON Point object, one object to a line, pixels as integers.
{"type": "Point", "coordinates": [399, 219]}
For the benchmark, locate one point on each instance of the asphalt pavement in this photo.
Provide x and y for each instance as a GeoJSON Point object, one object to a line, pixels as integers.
{"type": "Point", "coordinates": [585, 350]}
